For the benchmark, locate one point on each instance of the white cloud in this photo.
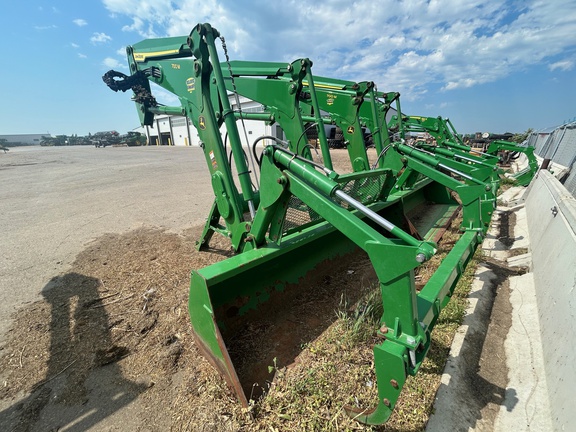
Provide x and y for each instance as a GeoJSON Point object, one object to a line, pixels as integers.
{"type": "Point", "coordinates": [46, 27]}
{"type": "Point", "coordinates": [163, 96]}
{"type": "Point", "coordinates": [100, 38]}
{"type": "Point", "coordinates": [73, 45]}
{"type": "Point", "coordinates": [80, 22]}
{"type": "Point", "coordinates": [564, 66]}
{"type": "Point", "coordinates": [112, 63]}
{"type": "Point", "coordinates": [82, 55]}
{"type": "Point", "coordinates": [407, 46]}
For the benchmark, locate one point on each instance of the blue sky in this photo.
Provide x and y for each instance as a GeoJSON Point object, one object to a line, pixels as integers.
{"type": "Point", "coordinates": [487, 65]}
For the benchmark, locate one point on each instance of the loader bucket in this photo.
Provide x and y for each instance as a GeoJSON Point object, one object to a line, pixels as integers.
{"type": "Point", "coordinates": [224, 296]}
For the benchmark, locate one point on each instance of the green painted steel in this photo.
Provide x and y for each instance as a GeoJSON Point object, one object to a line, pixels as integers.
{"type": "Point", "coordinates": [525, 176]}
{"type": "Point", "coordinates": [303, 215]}
{"type": "Point", "coordinates": [448, 142]}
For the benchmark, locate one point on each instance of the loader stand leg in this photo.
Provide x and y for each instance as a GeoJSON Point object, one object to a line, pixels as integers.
{"type": "Point", "coordinates": [390, 362]}
{"type": "Point", "coordinates": [212, 222]}
{"type": "Point", "coordinates": [405, 342]}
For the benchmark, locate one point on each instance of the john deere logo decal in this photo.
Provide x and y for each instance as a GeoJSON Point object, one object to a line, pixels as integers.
{"type": "Point", "coordinates": [202, 122]}
{"type": "Point", "coordinates": [350, 129]}
{"type": "Point", "coordinates": [330, 99]}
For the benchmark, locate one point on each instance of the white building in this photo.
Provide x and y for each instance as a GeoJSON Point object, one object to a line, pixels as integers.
{"type": "Point", "coordinates": [179, 130]}
{"type": "Point", "coordinates": [24, 139]}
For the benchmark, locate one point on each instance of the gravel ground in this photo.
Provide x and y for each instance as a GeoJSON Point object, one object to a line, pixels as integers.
{"type": "Point", "coordinates": [56, 199]}
{"type": "Point", "coordinates": [55, 202]}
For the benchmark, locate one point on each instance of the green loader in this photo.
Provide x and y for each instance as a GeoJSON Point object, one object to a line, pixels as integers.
{"type": "Point", "coordinates": [287, 212]}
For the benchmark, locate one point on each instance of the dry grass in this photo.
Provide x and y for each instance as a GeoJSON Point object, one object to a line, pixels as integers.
{"type": "Point", "coordinates": [124, 307]}
{"type": "Point", "coordinates": [337, 368]}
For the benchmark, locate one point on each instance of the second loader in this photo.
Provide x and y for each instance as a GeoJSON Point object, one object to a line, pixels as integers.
{"type": "Point", "coordinates": [448, 142]}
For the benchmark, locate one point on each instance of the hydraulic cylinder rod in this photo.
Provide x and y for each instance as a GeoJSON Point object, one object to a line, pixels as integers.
{"type": "Point", "coordinates": [384, 223]}
{"type": "Point", "coordinates": [306, 171]}
{"type": "Point", "coordinates": [451, 154]}
{"type": "Point", "coordinates": [422, 156]}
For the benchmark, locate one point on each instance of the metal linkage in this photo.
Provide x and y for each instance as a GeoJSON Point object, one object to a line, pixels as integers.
{"type": "Point", "coordinates": [449, 143]}
{"type": "Point", "coordinates": [384, 223]}
{"type": "Point", "coordinates": [138, 83]}
{"type": "Point", "coordinates": [239, 106]}
{"type": "Point", "coordinates": [525, 176]}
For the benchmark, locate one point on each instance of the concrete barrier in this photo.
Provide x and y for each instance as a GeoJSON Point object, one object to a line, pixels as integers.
{"type": "Point", "coordinates": [551, 217]}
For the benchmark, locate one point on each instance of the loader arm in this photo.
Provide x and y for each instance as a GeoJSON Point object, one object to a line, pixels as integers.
{"type": "Point", "coordinates": [449, 143]}
{"type": "Point", "coordinates": [303, 214]}
{"type": "Point", "coordinates": [522, 177]}
{"type": "Point", "coordinates": [352, 106]}
{"type": "Point", "coordinates": [181, 65]}
{"type": "Point", "coordinates": [443, 132]}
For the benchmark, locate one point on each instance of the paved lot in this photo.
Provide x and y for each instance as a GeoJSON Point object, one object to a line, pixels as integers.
{"type": "Point", "coordinates": [54, 200]}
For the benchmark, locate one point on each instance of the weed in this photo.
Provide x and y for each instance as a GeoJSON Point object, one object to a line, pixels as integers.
{"type": "Point", "coordinates": [361, 321]}
{"type": "Point", "coordinates": [337, 369]}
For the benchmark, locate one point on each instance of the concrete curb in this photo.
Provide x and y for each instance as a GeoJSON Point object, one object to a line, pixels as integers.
{"type": "Point", "coordinates": [523, 403]}
{"type": "Point", "coordinates": [528, 408]}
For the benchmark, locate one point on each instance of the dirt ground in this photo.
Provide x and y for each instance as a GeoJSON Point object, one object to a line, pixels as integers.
{"type": "Point", "coordinates": [64, 212]}
{"type": "Point", "coordinates": [107, 343]}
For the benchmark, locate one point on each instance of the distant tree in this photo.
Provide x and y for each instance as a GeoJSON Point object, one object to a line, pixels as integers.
{"type": "Point", "coordinates": [521, 137]}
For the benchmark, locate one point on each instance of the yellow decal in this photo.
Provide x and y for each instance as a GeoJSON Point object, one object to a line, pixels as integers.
{"type": "Point", "coordinates": [202, 122]}
{"type": "Point", "coordinates": [191, 84]}
{"type": "Point", "coordinates": [175, 66]}
{"type": "Point", "coordinates": [350, 129]}
{"type": "Point", "coordinates": [142, 56]}
{"type": "Point", "coordinates": [330, 98]}
{"type": "Point", "coordinates": [323, 86]}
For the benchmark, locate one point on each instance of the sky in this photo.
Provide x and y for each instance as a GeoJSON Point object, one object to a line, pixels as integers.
{"type": "Point", "coordinates": [488, 65]}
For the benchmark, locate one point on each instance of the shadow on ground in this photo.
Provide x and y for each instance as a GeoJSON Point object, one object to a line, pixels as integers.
{"type": "Point", "coordinates": [82, 384]}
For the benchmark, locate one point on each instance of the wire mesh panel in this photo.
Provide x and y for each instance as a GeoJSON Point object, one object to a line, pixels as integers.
{"type": "Point", "coordinates": [538, 141]}
{"type": "Point", "coordinates": [551, 144]}
{"type": "Point", "coordinates": [366, 189]}
{"type": "Point", "coordinates": [560, 147]}
{"type": "Point", "coordinates": [298, 214]}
